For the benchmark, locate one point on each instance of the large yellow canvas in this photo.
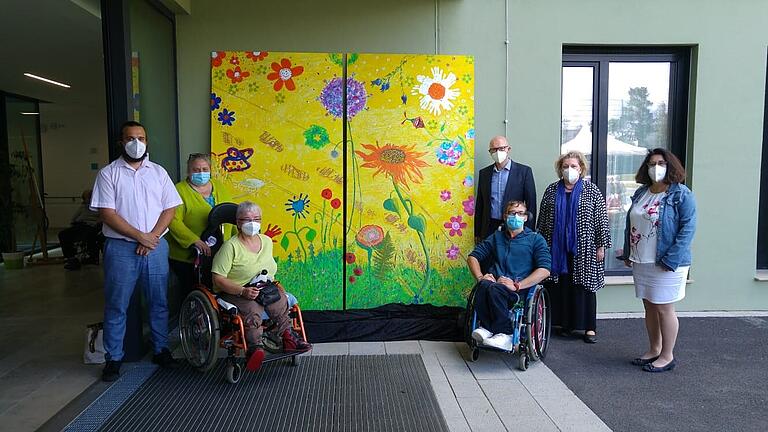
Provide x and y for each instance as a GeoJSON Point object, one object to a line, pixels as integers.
{"type": "Point", "coordinates": [277, 145]}
{"type": "Point", "coordinates": [410, 156]}
{"type": "Point", "coordinates": [401, 143]}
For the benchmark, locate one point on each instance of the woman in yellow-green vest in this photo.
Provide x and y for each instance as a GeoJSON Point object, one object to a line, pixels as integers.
{"type": "Point", "coordinates": [199, 194]}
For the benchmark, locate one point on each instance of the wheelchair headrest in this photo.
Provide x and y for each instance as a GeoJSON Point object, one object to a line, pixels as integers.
{"type": "Point", "coordinates": [221, 214]}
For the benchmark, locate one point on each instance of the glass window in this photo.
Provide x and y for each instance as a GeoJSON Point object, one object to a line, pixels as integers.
{"type": "Point", "coordinates": [615, 107]}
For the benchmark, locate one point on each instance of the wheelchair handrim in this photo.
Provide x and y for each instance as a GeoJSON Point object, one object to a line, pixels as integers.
{"type": "Point", "coordinates": [197, 332]}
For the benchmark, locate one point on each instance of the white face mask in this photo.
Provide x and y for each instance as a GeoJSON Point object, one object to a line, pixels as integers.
{"type": "Point", "coordinates": [499, 156]}
{"type": "Point", "coordinates": [571, 175]}
{"type": "Point", "coordinates": [250, 228]}
{"type": "Point", "coordinates": [135, 148]}
{"type": "Point", "coordinates": [657, 172]}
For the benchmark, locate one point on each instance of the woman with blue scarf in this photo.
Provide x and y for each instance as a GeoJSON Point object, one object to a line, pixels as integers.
{"type": "Point", "coordinates": [574, 222]}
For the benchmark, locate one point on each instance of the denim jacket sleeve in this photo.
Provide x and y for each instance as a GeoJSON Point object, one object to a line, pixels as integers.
{"type": "Point", "coordinates": [686, 227]}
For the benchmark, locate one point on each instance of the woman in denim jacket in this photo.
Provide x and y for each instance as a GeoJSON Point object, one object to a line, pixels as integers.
{"type": "Point", "coordinates": [657, 245]}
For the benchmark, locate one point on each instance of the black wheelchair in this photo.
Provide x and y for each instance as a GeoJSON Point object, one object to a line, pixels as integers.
{"type": "Point", "coordinates": [207, 323]}
{"type": "Point", "coordinates": [531, 323]}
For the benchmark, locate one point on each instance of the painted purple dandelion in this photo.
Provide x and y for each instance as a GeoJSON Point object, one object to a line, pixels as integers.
{"type": "Point", "coordinates": [332, 95]}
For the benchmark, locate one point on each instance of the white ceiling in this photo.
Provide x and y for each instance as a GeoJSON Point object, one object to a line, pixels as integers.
{"type": "Point", "coordinates": [55, 39]}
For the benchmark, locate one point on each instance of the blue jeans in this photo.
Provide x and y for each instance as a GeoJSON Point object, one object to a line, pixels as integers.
{"type": "Point", "coordinates": [123, 271]}
{"type": "Point", "coordinates": [492, 304]}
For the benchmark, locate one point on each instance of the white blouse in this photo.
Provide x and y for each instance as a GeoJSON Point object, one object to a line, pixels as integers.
{"type": "Point", "coordinates": [644, 227]}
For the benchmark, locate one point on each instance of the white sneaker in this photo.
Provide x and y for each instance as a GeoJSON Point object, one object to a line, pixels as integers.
{"type": "Point", "coordinates": [480, 335]}
{"type": "Point", "coordinates": [500, 341]}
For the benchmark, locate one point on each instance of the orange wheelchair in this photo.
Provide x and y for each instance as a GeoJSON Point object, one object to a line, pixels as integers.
{"type": "Point", "coordinates": [208, 324]}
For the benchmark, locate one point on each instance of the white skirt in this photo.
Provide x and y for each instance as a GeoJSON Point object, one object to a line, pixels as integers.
{"type": "Point", "coordinates": [658, 286]}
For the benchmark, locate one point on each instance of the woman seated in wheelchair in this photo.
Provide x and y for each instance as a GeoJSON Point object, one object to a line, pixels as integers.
{"type": "Point", "coordinates": [240, 260]}
{"type": "Point", "coordinates": [518, 260]}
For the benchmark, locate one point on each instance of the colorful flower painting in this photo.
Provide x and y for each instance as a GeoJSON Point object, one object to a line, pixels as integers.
{"type": "Point", "coordinates": [362, 165]}
{"type": "Point", "coordinates": [283, 74]}
{"type": "Point", "coordinates": [436, 91]}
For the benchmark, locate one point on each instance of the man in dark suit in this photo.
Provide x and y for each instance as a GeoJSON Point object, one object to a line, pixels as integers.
{"type": "Point", "coordinates": [503, 181]}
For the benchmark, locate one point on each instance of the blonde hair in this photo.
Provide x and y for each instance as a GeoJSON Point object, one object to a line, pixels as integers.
{"type": "Point", "coordinates": [571, 155]}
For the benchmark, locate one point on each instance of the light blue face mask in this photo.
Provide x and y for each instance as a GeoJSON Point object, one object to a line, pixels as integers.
{"type": "Point", "coordinates": [515, 222]}
{"type": "Point", "coordinates": [200, 178]}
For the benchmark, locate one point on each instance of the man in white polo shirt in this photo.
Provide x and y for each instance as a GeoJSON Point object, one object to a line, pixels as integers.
{"type": "Point", "coordinates": [136, 201]}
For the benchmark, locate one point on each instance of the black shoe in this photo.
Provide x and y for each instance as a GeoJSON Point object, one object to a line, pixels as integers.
{"type": "Point", "coordinates": [91, 259]}
{"type": "Point", "coordinates": [590, 339]}
{"type": "Point", "coordinates": [564, 332]}
{"type": "Point", "coordinates": [72, 264]}
{"type": "Point", "coordinates": [639, 361]}
{"type": "Point", "coordinates": [165, 359]}
{"type": "Point", "coordinates": [111, 371]}
{"type": "Point", "coordinates": [667, 367]}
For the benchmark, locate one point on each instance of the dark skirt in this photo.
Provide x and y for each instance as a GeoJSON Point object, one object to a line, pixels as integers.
{"type": "Point", "coordinates": [573, 307]}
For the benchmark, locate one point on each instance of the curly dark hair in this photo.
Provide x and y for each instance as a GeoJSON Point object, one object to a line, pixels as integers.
{"type": "Point", "coordinates": [675, 170]}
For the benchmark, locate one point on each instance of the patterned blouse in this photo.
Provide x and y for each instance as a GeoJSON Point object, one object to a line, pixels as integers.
{"type": "Point", "coordinates": [644, 222]}
{"type": "Point", "coordinates": [592, 231]}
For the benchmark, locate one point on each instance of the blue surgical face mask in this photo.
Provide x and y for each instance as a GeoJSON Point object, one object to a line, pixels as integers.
{"type": "Point", "coordinates": [515, 222]}
{"type": "Point", "coordinates": [200, 178]}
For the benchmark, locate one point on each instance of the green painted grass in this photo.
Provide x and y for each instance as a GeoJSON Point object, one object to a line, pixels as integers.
{"type": "Point", "coordinates": [317, 284]}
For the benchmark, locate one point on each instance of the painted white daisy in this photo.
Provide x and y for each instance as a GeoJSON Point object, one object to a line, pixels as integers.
{"type": "Point", "coordinates": [436, 91]}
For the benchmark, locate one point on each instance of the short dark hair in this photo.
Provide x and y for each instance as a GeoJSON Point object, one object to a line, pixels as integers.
{"type": "Point", "coordinates": [675, 170]}
{"type": "Point", "coordinates": [131, 123]}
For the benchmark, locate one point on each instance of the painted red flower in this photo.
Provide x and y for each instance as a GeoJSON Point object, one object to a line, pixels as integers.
{"type": "Point", "coordinates": [370, 236]}
{"type": "Point", "coordinates": [352, 279]}
{"type": "Point", "coordinates": [358, 271]}
{"type": "Point", "coordinates": [326, 193]}
{"type": "Point", "coordinates": [349, 257]}
{"type": "Point", "coordinates": [234, 60]}
{"type": "Point", "coordinates": [335, 203]}
{"type": "Point", "coordinates": [237, 75]}
{"type": "Point", "coordinates": [256, 55]}
{"type": "Point", "coordinates": [455, 226]}
{"type": "Point", "coordinates": [217, 57]}
{"type": "Point", "coordinates": [283, 74]}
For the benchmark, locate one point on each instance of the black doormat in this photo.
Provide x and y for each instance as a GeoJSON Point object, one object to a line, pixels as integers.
{"type": "Point", "coordinates": [323, 393]}
{"type": "Point", "coordinates": [391, 322]}
{"type": "Point", "coordinates": [720, 383]}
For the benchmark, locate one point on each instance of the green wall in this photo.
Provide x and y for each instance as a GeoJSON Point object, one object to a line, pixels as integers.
{"type": "Point", "coordinates": [730, 40]}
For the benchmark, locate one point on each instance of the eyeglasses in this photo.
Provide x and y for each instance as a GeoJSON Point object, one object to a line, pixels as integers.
{"type": "Point", "coordinates": [519, 213]}
{"type": "Point", "coordinates": [494, 150]}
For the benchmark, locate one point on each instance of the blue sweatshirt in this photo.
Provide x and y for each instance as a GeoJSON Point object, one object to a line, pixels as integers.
{"type": "Point", "coordinates": [517, 257]}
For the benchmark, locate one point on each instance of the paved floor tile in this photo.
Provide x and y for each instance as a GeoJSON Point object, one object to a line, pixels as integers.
{"type": "Point", "coordinates": [366, 348]}
{"type": "Point", "coordinates": [331, 348]}
{"type": "Point", "coordinates": [480, 414]}
{"type": "Point", "coordinates": [403, 347]}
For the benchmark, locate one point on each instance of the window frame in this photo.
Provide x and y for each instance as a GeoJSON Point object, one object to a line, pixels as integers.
{"type": "Point", "coordinates": [599, 58]}
{"type": "Point", "coordinates": [761, 255]}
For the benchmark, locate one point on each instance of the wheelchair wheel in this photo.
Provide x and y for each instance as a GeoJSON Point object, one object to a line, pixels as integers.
{"type": "Point", "coordinates": [199, 325]}
{"type": "Point", "coordinates": [474, 354]}
{"type": "Point", "coordinates": [539, 326]}
{"type": "Point", "coordinates": [522, 362]}
{"type": "Point", "coordinates": [469, 316]}
{"type": "Point", "coordinates": [234, 372]}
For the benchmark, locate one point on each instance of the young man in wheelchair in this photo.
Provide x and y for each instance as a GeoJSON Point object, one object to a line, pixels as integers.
{"type": "Point", "coordinates": [518, 260]}
{"type": "Point", "coordinates": [240, 260]}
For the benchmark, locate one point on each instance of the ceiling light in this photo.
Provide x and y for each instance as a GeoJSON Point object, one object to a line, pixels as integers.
{"type": "Point", "coordinates": [46, 80]}
{"type": "Point", "coordinates": [29, 113]}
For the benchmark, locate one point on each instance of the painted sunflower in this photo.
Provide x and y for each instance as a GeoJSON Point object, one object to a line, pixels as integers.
{"type": "Point", "coordinates": [395, 161]}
